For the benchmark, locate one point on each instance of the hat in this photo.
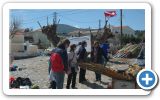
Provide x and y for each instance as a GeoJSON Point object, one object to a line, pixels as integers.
{"type": "Point", "coordinates": [72, 46]}
{"type": "Point", "coordinates": [96, 42]}
{"type": "Point", "coordinates": [84, 42]}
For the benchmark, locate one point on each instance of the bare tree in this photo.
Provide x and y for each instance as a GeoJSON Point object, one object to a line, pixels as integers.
{"type": "Point", "coordinates": [15, 25]}
{"type": "Point", "coordinates": [51, 30]}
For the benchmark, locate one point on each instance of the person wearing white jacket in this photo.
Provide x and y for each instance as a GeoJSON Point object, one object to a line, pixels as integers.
{"type": "Point", "coordinates": [72, 61]}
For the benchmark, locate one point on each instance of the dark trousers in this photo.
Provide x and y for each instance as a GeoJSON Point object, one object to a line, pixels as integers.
{"type": "Point", "coordinates": [71, 78]}
{"type": "Point", "coordinates": [82, 74]}
{"type": "Point", "coordinates": [98, 76]}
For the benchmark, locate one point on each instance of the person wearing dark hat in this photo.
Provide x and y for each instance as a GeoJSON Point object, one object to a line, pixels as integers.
{"type": "Point", "coordinates": [96, 57]}
{"type": "Point", "coordinates": [82, 56]}
{"type": "Point", "coordinates": [72, 61]}
{"type": "Point", "coordinates": [59, 64]}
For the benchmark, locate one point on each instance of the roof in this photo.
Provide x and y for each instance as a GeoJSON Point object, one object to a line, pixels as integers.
{"type": "Point", "coordinates": [19, 33]}
{"type": "Point", "coordinates": [120, 27]}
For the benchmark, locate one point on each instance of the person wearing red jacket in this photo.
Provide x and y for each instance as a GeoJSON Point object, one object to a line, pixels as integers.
{"type": "Point", "coordinates": [58, 64]}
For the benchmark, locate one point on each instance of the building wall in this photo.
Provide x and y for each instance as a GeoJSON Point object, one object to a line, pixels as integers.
{"type": "Point", "coordinates": [17, 43]}
{"type": "Point", "coordinates": [38, 35]}
{"type": "Point", "coordinates": [17, 47]}
{"type": "Point", "coordinates": [32, 49]}
{"type": "Point", "coordinates": [18, 39]}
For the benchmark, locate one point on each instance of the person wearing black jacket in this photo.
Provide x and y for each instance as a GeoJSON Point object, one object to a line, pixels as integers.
{"type": "Point", "coordinates": [97, 57]}
{"type": "Point", "coordinates": [82, 55]}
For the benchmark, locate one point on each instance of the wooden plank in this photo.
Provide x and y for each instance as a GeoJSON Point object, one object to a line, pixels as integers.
{"type": "Point", "coordinates": [105, 71]}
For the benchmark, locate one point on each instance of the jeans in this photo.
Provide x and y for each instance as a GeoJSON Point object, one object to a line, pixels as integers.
{"type": "Point", "coordinates": [98, 76]}
{"type": "Point", "coordinates": [53, 84]}
{"type": "Point", "coordinates": [58, 78]}
{"type": "Point", "coordinates": [82, 74]}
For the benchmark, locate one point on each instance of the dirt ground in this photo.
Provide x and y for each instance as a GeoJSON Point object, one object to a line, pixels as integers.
{"type": "Point", "coordinates": [37, 70]}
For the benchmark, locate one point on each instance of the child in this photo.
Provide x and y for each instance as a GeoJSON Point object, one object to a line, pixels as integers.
{"type": "Point", "coordinates": [72, 61]}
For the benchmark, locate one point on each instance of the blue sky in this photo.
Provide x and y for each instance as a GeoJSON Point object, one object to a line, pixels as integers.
{"type": "Point", "coordinates": [79, 18]}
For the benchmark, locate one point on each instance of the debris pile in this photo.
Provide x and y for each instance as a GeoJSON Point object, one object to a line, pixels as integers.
{"type": "Point", "coordinates": [128, 51]}
{"type": "Point", "coordinates": [133, 70]}
{"type": "Point", "coordinates": [21, 83]}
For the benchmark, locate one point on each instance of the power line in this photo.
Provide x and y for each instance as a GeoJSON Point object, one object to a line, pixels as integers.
{"type": "Point", "coordinates": [59, 13]}
{"type": "Point", "coordinates": [45, 15]}
{"type": "Point", "coordinates": [62, 14]}
{"type": "Point", "coordinates": [33, 20]}
{"type": "Point", "coordinates": [78, 20]}
{"type": "Point", "coordinates": [67, 11]}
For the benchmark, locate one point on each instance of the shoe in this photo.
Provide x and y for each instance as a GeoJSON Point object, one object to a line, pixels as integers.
{"type": "Point", "coordinates": [85, 80]}
{"type": "Point", "coordinates": [98, 80]}
{"type": "Point", "coordinates": [80, 81]}
{"type": "Point", "coordinates": [74, 88]}
{"type": "Point", "coordinates": [67, 87]}
{"type": "Point", "coordinates": [95, 80]}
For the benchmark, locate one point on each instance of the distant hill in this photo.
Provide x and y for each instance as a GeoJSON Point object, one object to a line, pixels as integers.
{"type": "Point", "coordinates": [67, 29]}
{"type": "Point", "coordinates": [63, 28]}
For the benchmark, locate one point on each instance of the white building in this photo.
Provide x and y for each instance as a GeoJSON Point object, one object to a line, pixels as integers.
{"type": "Point", "coordinates": [37, 36]}
{"type": "Point", "coordinates": [21, 48]}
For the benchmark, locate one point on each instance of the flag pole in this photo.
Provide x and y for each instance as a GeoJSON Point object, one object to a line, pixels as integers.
{"type": "Point", "coordinates": [121, 25]}
{"type": "Point", "coordinates": [105, 21]}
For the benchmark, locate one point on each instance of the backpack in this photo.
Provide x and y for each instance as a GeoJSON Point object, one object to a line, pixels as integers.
{"type": "Point", "coordinates": [56, 63]}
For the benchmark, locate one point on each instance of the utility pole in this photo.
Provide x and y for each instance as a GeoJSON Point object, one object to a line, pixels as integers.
{"type": "Point", "coordinates": [106, 21]}
{"type": "Point", "coordinates": [55, 18]}
{"type": "Point", "coordinates": [51, 30]}
{"type": "Point", "coordinates": [99, 29]}
{"type": "Point", "coordinates": [121, 25]}
{"type": "Point", "coordinates": [47, 21]}
{"type": "Point", "coordinates": [99, 24]}
{"type": "Point", "coordinates": [90, 30]}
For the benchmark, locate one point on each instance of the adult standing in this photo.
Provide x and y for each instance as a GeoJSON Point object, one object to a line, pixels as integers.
{"type": "Point", "coordinates": [97, 57]}
{"type": "Point", "coordinates": [105, 47]}
{"type": "Point", "coordinates": [72, 61]}
{"type": "Point", "coordinates": [82, 56]}
{"type": "Point", "coordinates": [59, 64]}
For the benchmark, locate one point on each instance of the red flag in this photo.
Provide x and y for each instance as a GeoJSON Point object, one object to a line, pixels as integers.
{"type": "Point", "coordinates": [110, 13]}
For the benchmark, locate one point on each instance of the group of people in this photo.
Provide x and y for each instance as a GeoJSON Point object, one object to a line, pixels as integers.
{"type": "Point", "coordinates": [62, 62]}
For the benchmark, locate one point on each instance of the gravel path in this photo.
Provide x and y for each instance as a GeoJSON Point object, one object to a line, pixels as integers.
{"type": "Point", "coordinates": [37, 70]}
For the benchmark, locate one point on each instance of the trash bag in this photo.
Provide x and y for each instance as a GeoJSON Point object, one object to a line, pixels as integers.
{"type": "Point", "coordinates": [27, 81]}
{"type": "Point", "coordinates": [20, 82]}
{"type": "Point", "coordinates": [14, 84]}
{"type": "Point", "coordinates": [13, 68]}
